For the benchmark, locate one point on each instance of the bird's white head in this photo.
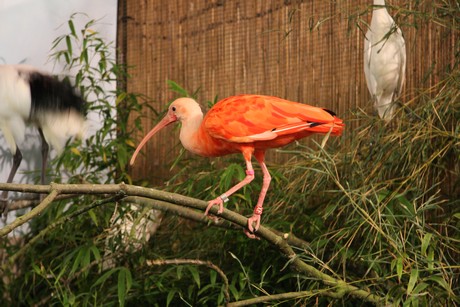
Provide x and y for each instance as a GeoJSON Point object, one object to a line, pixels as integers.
{"type": "Point", "coordinates": [184, 109]}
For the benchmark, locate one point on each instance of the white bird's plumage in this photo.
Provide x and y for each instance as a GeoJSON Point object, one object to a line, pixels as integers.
{"type": "Point", "coordinates": [384, 60]}
{"type": "Point", "coordinates": [32, 97]}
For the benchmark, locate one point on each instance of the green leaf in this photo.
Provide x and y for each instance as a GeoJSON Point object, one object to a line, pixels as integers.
{"type": "Point", "coordinates": [234, 292]}
{"type": "Point", "coordinates": [170, 296]}
{"type": "Point", "coordinates": [104, 277]}
{"type": "Point", "coordinates": [212, 277]}
{"type": "Point", "coordinates": [96, 253]}
{"type": "Point", "coordinates": [125, 281]}
{"type": "Point", "coordinates": [412, 280]}
{"type": "Point", "coordinates": [173, 86]}
{"type": "Point", "coordinates": [77, 261]}
{"type": "Point", "coordinates": [399, 267]}
{"type": "Point", "coordinates": [426, 242]}
{"type": "Point", "coordinates": [406, 204]}
{"type": "Point", "coordinates": [420, 287]}
{"type": "Point", "coordinates": [72, 28]}
{"type": "Point", "coordinates": [430, 259]}
{"type": "Point", "coordinates": [440, 281]}
{"type": "Point", "coordinates": [195, 274]}
{"type": "Point", "coordinates": [69, 44]}
{"type": "Point", "coordinates": [121, 287]}
{"type": "Point", "coordinates": [93, 217]}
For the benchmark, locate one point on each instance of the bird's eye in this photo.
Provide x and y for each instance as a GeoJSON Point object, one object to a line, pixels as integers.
{"type": "Point", "coordinates": [174, 109]}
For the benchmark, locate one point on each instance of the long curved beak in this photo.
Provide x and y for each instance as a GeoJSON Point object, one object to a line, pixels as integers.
{"type": "Point", "coordinates": [168, 119]}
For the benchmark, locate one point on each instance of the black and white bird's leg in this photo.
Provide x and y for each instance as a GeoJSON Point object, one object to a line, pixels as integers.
{"type": "Point", "coordinates": [45, 152]}
{"type": "Point", "coordinates": [17, 158]}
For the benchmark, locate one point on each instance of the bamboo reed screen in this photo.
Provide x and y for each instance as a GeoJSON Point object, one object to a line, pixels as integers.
{"type": "Point", "coordinates": [306, 51]}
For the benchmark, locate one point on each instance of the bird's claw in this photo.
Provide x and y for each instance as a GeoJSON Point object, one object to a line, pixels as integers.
{"type": "Point", "coordinates": [218, 201]}
{"type": "Point", "coordinates": [250, 235]}
{"type": "Point", "coordinates": [255, 218]}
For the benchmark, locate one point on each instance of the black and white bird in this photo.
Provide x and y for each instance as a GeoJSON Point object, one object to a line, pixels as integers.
{"type": "Point", "coordinates": [384, 60]}
{"type": "Point", "coordinates": [29, 96]}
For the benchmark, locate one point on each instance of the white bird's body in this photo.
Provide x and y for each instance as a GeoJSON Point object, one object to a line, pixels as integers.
{"type": "Point", "coordinates": [384, 60]}
{"type": "Point", "coordinates": [31, 97]}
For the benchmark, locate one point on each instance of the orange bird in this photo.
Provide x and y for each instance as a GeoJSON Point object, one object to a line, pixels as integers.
{"type": "Point", "coordinates": [249, 124]}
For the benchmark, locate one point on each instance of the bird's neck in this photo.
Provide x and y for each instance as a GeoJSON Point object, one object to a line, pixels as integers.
{"type": "Point", "coordinates": [381, 19]}
{"type": "Point", "coordinates": [196, 139]}
{"type": "Point", "coordinates": [190, 133]}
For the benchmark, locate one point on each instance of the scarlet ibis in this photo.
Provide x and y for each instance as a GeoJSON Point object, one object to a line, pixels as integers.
{"type": "Point", "coordinates": [30, 96]}
{"type": "Point", "coordinates": [247, 124]}
{"type": "Point", "coordinates": [384, 60]}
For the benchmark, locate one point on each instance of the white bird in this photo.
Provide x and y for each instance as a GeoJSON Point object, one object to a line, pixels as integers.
{"type": "Point", "coordinates": [384, 60]}
{"type": "Point", "coordinates": [29, 96]}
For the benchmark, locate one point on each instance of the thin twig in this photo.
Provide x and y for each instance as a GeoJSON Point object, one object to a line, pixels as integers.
{"type": "Point", "coordinates": [31, 214]}
{"type": "Point", "coordinates": [284, 296]}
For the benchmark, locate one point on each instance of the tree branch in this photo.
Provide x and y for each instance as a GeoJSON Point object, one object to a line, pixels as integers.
{"type": "Point", "coordinates": [284, 296]}
{"type": "Point", "coordinates": [32, 213]}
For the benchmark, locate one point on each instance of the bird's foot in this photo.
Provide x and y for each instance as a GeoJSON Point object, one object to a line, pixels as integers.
{"type": "Point", "coordinates": [219, 201]}
{"type": "Point", "coordinates": [253, 225]}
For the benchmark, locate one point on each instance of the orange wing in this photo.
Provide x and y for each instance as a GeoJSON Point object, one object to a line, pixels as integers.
{"type": "Point", "coordinates": [249, 118]}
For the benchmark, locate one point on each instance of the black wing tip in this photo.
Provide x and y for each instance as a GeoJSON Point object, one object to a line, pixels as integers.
{"type": "Point", "coordinates": [330, 112]}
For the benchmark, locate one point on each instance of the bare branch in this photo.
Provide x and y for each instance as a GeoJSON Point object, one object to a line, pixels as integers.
{"type": "Point", "coordinates": [31, 214]}
{"type": "Point", "coordinates": [285, 296]}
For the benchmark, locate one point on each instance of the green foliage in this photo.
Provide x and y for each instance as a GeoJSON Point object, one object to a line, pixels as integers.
{"type": "Point", "coordinates": [104, 155]}
{"type": "Point", "coordinates": [388, 200]}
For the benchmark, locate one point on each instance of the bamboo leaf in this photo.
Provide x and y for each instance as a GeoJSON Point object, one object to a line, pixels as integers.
{"type": "Point", "coordinates": [101, 280]}
{"type": "Point", "coordinates": [69, 44]}
{"type": "Point", "coordinates": [72, 28]}
{"type": "Point", "coordinates": [121, 287]}
{"type": "Point", "coordinates": [195, 274]}
{"type": "Point", "coordinates": [399, 268]}
{"type": "Point", "coordinates": [213, 277]}
{"type": "Point", "coordinates": [173, 86]}
{"type": "Point", "coordinates": [412, 280]}
{"type": "Point", "coordinates": [426, 242]}
{"type": "Point", "coordinates": [420, 287]}
{"type": "Point", "coordinates": [440, 281]}
{"type": "Point", "coordinates": [170, 296]}
{"type": "Point", "coordinates": [93, 217]}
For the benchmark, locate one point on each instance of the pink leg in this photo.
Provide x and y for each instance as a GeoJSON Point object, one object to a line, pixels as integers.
{"type": "Point", "coordinates": [255, 218]}
{"type": "Point", "coordinates": [224, 197]}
